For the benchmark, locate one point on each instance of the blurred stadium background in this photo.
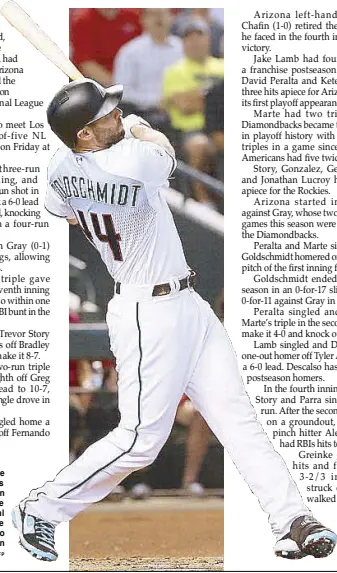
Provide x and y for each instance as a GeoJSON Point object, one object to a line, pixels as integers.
{"type": "Point", "coordinates": [171, 65]}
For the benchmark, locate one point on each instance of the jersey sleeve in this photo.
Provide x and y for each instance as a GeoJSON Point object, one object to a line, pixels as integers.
{"type": "Point", "coordinates": [55, 205]}
{"type": "Point", "coordinates": [156, 165]}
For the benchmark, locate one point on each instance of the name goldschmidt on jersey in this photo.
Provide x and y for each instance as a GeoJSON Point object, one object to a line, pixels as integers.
{"type": "Point", "coordinates": [100, 192]}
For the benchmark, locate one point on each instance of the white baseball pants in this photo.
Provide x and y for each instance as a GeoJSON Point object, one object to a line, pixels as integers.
{"type": "Point", "coordinates": [166, 346]}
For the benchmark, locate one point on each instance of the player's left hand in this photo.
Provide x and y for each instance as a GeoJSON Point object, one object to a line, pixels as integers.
{"type": "Point", "coordinates": [130, 121]}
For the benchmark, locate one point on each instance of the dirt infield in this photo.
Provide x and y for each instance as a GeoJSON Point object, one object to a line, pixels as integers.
{"type": "Point", "coordinates": [165, 535]}
{"type": "Point", "coordinates": [150, 564]}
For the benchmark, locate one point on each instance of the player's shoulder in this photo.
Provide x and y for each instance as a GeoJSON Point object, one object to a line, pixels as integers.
{"type": "Point", "coordinates": [142, 149]}
{"type": "Point", "coordinates": [127, 153]}
{"type": "Point", "coordinates": [128, 144]}
{"type": "Point", "coordinates": [131, 157]}
{"type": "Point", "coordinates": [143, 158]}
{"type": "Point", "coordinates": [151, 157]}
{"type": "Point", "coordinates": [61, 155]}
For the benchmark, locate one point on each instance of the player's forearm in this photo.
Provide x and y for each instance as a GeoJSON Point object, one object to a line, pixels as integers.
{"type": "Point", "coordinates": [145, 133]}
{"type": "Point", "coordinates": [93, 70]}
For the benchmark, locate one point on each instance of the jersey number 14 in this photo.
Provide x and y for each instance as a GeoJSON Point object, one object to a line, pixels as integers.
{"type": "Point", "coordinates": [109, 236]}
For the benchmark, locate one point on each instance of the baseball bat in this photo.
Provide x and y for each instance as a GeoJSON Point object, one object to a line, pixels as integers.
{"type": "Point", "coordinates": [20, 20]}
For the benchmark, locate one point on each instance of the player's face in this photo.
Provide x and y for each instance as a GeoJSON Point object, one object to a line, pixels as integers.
{"type": "Point", "coordinates": [109, 129]}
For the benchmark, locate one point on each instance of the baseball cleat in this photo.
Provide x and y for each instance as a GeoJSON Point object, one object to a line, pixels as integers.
{"type": "Point", "coordinates": [288, 548]}
{"type": "Point", "coordinates": [306, 537]}
{"type": "Point", "coordinates": [36, 535]}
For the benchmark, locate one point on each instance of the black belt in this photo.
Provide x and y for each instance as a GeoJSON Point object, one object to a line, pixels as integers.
{"type": "Point", "coordinates": [160, 290]}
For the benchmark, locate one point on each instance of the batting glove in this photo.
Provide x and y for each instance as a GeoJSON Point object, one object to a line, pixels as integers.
{"type": "Point", "coordinates": [130, 121]}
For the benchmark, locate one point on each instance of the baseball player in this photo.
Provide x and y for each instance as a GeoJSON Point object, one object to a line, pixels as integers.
{"type": "Point", "coordinates": [108, 178]}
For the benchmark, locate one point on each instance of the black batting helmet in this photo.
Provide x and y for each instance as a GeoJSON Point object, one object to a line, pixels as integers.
{"type": "Point", "coordinates": [79, 103]}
